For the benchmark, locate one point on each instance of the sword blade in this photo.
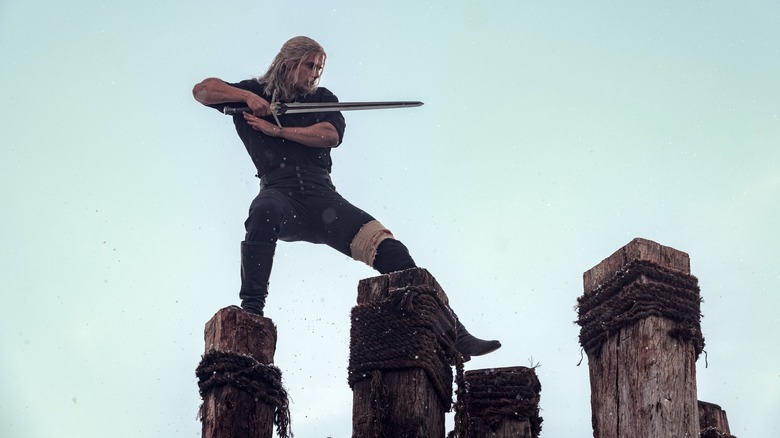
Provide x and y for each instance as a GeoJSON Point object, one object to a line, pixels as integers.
{"type": "Point", "coordinates": [297, 108]}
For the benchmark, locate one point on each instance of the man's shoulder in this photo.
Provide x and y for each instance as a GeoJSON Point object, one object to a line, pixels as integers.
{"type": "Point", "coordinates": [323, 94]}
{"type": "Point", "coordinates": [250, 85]}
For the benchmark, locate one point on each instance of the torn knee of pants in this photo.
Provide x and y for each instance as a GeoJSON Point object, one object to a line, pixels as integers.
{"type": "Point", "coordinates": [365, 243]}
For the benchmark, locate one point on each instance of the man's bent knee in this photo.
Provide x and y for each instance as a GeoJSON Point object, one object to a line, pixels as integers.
{"type": "Point", "coordinates": [365, 243]}
{"type": "Point", "coordinates": [264, 221]}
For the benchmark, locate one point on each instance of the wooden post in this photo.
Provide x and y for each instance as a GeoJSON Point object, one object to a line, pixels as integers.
{"type": "Point", "coordinates": [713, 422]}
{"type": "Point", "coordinates": [401, 348]}
{"type": "Point", "coordinates": [241, 390]}
{"type": "Point", "coordinates": [641, 330]}
{"type": "Point", "coordinates": [502, 403]}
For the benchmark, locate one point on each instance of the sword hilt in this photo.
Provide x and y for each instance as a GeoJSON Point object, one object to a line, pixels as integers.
{"type": "Point", "coordinates": [230, 111]}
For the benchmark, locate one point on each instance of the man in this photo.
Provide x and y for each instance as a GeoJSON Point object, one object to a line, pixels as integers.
{"type": "Point", "coordinates": [297, 200]}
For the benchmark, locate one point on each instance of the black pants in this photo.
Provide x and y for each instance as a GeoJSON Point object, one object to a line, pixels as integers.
{"type": "Point", "coordinates": [299, 203]}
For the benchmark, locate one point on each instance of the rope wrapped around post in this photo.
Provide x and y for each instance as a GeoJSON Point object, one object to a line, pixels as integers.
{"type": "Point", "coordinates": [640, 290]}
{"type": "Point", "coordinates": [495, 395]}
{"type": "Point", "coordinates": [403, 331]}
{"type": "Point", "coordinates": [263, 382]}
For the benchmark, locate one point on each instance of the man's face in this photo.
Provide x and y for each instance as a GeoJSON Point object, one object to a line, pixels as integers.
{"type": "Point", "coordinates": [309, 71]}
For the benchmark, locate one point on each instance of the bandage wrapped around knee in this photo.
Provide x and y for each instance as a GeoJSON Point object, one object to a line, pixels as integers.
{"type": "Point", "coordinates": [365, 243]}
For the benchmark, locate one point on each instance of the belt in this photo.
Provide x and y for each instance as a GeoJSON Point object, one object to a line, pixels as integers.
{"type": "Point", "coordinates": [302, 177]}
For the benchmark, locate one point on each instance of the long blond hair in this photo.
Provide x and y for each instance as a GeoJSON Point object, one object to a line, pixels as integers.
{"type": "Point", "coordinates": [290, 56]}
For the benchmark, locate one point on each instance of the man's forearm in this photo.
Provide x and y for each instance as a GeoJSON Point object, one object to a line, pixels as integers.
{"type": "Point", "coordinates": [320, 135]}
{"type": "Point", "coordinates": [213, 90]}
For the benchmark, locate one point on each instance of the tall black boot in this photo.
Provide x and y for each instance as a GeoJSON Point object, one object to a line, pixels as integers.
{"type": "Point", "coordinates": [391, 256]}
{"type": "Point", "coordinates": [468, 345]}
{"type": "Point", "coordinates": [256, 261]}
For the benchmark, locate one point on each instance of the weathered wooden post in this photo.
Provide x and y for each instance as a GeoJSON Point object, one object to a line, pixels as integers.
{"type": "Point", "coordinates": [500, 403]}
{"type": "Point", "coordinates": [641, 329]}
{"type": "Point", "coordinates": [713, 422]}
{"type": "Point", "coordinates": [401, 348]}
{"type": "Point", "coordinates": [242, 392]}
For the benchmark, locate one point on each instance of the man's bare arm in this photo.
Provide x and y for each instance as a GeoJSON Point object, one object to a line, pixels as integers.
{"type": "Point", "coordinates": [213, 90]}
{"type": "Point", "coordinates": [318, 135]}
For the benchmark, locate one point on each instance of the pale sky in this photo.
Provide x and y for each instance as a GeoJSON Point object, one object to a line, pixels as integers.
{"type": "Point", "coordinates": [553, 133]}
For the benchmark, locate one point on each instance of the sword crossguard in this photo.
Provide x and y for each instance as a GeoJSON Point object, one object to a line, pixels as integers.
{"type": "Point", "coordinates": [275, 107]}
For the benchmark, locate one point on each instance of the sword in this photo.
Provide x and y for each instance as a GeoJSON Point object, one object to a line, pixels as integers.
{"type": "Point", "coordinates": [279, 108]}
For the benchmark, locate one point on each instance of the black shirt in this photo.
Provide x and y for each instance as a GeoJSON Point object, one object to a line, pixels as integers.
{"type": "Point", "coordinates": [269, 153]}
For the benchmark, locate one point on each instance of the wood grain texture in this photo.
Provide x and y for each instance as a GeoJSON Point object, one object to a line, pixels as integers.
{"type": "Point", "coordinates": [228, 411]}
{"type": "Point", "coordinates": [401, 403]}
{"type": "Point", "coordinates": [643, 381]}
